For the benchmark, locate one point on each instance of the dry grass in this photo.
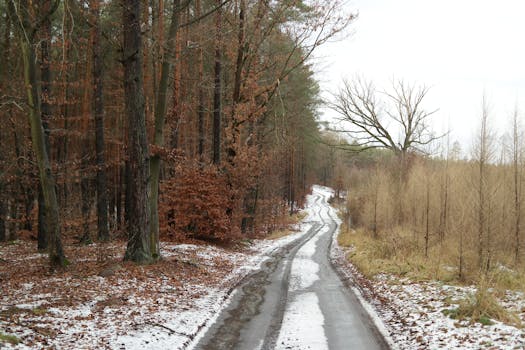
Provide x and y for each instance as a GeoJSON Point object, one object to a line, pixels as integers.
{"type": "Point", "coordinates": [507, 279]}
{"type": "Point", "coordinates": [279, 234]}
{"type": "Point", "coordinates": [483, 307]}
{"type": "Point", "coordinates": [10, 339]}
{"type": "Point", "coordinates": [396, 254]}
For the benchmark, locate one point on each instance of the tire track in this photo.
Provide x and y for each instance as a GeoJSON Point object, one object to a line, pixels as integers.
{"type": "Point", "coordinates": [225, 333]}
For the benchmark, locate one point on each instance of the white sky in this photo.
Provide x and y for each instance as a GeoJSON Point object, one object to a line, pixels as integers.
{"type": "Point", "coordinates": [458, 47]}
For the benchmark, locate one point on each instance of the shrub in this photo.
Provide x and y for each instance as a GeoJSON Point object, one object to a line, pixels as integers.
{"type": "Point", "coordinates": [196, 203]}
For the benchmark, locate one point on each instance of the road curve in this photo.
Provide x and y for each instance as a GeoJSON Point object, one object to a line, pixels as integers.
{"type": "Point", "coordinates": [296, 300]}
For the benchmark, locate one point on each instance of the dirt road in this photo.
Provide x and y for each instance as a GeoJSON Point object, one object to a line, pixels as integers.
{"type": "Point", "coordinates": [297, 301]}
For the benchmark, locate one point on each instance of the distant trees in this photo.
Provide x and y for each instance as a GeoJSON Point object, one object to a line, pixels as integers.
{"type": "Point", "coordinates": [461, 215]}
{"type": "Point", "coordinates": [517, 169]}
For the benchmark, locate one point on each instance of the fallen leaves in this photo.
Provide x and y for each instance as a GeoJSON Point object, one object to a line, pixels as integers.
{"type": "Point", "coordinates": [93, 302]}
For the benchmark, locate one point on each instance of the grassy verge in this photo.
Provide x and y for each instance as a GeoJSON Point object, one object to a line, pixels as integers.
{"type": "Point", "coordinates": [396, 254]}
{"type": "Point", "coordinates": [11, 339]}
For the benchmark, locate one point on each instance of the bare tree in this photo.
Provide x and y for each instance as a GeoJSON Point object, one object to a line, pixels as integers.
{"type": "Point", "coordinates": [375, 117]}
{"type": "Point", "coordinates": [483, 154]}
{"type": "Point", "coordinates": [517, 177]}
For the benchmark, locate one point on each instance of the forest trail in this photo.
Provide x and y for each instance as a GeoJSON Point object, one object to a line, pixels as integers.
{"type": "Point", "coordinates": [297, 300]}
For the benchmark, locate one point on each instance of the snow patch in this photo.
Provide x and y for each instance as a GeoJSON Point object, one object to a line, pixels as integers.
{"type": "Point", "coordinates": [303, 275]}
{"type": "Point", "coordinates": [303, 325]}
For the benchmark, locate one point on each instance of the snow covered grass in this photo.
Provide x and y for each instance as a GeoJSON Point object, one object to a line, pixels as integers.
{"type": "Point", "coordinates": [111, 304]}
{"type": "Point", "coordinates": [423, 313]}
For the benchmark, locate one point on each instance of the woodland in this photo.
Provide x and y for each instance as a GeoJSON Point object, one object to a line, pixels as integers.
{"type": "Point", "coordinates": [158, 120]}
{"type": "Point", "coordinates": [174, 134]}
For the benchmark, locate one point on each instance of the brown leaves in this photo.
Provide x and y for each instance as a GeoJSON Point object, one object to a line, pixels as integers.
{"type": "Point", "coordinates": [195, 203]}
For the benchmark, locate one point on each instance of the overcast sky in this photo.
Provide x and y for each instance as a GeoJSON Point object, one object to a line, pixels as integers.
{"type": "Point", "coordinates": [458, 47]}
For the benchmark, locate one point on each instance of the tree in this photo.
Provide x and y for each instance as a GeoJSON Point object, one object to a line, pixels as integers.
{"type": "Point", "coordinates": [138, 249]}
{"type": "Point", "coordinates": [45, 76]}
{"type": "Point", "coordinates": [376, 117]}
{"type": "Point", "coordinates": [516, 149]}
{"type": "Point", "coordinates": [483, 154]}
{"type": "Point", "coordinates": [28, 21]}
{"type": "Point", "coordinates": [98, 111]}
{"type": "Point", "coordinates": [217, 88]}
{"type": "Point", "coordinates": [160, 116]}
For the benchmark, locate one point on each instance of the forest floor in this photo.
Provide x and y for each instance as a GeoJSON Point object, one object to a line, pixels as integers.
{"type": "Point", "coordinates": [416, 315]}
{"type": "Point", "coordinates": [101, 302]}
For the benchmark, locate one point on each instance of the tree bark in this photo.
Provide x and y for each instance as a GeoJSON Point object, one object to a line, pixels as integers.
{"type": "Point", "coordinates": [217, 88]}
{"type": "Point", "coordinates": [160, 117]}
{"type": "Point", "coordinates": [3, 214]}
{"type": "Point", "coordinates": [201, 107]}
{"type": "Point", "coordinates": [45, 75]}
{"type": "Point", "coordinates": [138, 249]}
{"type": "Point", "coordinates": [26, 34]}
{"type": "Point", "coordinates": [47, 181]}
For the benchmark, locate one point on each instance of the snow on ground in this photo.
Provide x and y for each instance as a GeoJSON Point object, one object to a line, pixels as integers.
{"type": "Point", "coordinates": [303, 325]}
{"type": "Point", "coordinates": [304, 270]}
{"type": "Point", "coordinates": [419, 320]}
{"type": "Point", "coordinates": [303, 321]}
{"type": "Point", "coordinates": [162, 306]}
{"type": "Point", "coordinates": [411, 314]}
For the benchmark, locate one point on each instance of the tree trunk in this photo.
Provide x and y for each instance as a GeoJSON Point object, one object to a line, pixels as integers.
{"type": "Point", "coordinates": [138, 249]}
{"type": "Point", "coordinates": [85, 206]}
{"type": "Point", "coordinates": [5, 48]}
{"type": "Point", "coordinates": [47, 181]}
{"type": "Point", "coordinates": [427, 219]}
{"type": "Point", "coordinates": [3, 214]}
{"type": "Point", "coordinates": [201, 107]}
{"type": "Point", "coordinates": [45, 75]}
{"type": "Point", "coordinates": [98, 107]}
{"type": "Point", "coordinates": [217, 88]}
{"type": "Point", "coordinates": [160, 117]}
{"type": "Point", "coordinates": [42, 233]}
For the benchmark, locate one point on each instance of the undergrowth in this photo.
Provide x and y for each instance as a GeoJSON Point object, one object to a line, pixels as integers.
{"type": "Point", "coordinates": [396, 254]}
{"type": "Point", "coordinates": [283, 232]}
{"type": "Point", "coordinates": [482, 307]}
